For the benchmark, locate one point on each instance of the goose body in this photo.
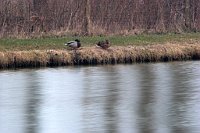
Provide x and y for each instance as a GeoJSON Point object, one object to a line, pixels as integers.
{"type": "Point", "coordinates": [73, 44]}
{"type": "Point", "coordinates": [103, 44]}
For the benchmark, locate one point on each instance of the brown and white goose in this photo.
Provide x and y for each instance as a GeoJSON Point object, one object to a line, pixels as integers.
{"type": "Point", "coordinates": [103, 44]}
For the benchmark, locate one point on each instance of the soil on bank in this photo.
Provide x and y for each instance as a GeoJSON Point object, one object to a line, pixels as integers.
{"type": "Point", "coordinates": [94, 55]}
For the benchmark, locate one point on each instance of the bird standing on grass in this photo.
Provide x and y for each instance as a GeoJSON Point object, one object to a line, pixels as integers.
{"type": "Point", "coordinates": [74, 44]}
{"type": "Point", "coordinates": [103, 44]}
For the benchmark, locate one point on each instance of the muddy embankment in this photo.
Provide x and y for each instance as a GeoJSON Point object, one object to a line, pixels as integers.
{"type": "Point", "coordinates": [94, 56]}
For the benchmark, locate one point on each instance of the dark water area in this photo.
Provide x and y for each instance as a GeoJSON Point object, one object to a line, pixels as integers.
{"type": "Point", "coordinates": [138, 98]}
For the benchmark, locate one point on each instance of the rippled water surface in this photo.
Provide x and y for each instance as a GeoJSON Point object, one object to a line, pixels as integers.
{"type": "Point", "coordinates": [139, 98]}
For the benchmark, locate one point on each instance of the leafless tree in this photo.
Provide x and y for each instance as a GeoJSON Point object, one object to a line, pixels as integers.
{"type": "Point", "coordinates": [98, 16]}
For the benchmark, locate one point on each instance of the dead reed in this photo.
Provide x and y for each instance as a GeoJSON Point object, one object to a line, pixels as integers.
{"type": "Point", "coordinates": [93, 55]}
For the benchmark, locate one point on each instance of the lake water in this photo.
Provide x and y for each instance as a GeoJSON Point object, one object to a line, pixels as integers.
{"type": "Point", "coordinates": [138, 98]}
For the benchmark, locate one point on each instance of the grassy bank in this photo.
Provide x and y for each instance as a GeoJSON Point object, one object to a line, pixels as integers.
{"type": "Point", "coordinates": [93, 55]}
{"type": "Point", "coordinates": [57, 43]}
{"type": "Point", "coordinates": [39, 52]}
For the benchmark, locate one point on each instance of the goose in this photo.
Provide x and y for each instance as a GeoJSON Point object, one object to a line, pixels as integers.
{"type": "Point", "coordinates": [103, 44]}
{"type": "Point", "coordinates": [73, 44]}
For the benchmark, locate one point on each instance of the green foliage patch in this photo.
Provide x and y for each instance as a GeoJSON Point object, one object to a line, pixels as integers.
{"type": "Point", "coordinates": [87, 41]}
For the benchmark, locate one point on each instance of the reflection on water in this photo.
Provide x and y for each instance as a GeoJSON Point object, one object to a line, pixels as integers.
{"type": "Point", "coordinates": [139, 98]}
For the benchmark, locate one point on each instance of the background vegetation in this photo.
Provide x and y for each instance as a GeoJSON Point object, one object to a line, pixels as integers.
{"type": "Point", "coordinates": [27, 18]}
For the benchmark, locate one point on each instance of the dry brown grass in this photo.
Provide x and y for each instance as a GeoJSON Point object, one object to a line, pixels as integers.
{"type": "Point", "coordinates": [94, 55]}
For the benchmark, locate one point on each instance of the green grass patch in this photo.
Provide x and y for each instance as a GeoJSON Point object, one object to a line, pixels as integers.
{"type": "Point", "coordinates": [58, 42]}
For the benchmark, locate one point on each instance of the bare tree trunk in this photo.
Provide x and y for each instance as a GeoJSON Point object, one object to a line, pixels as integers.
{"type": "Point", "coordinates": [36, 6]}
{"type": "Point", "coordinates": [197, 19]}
{"type": "Point", "coordinates": [187, 14]}
{"type": "Point", "coordinates": [86, 28]}
{"type": "Point", "coordinates": [160, 25]}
